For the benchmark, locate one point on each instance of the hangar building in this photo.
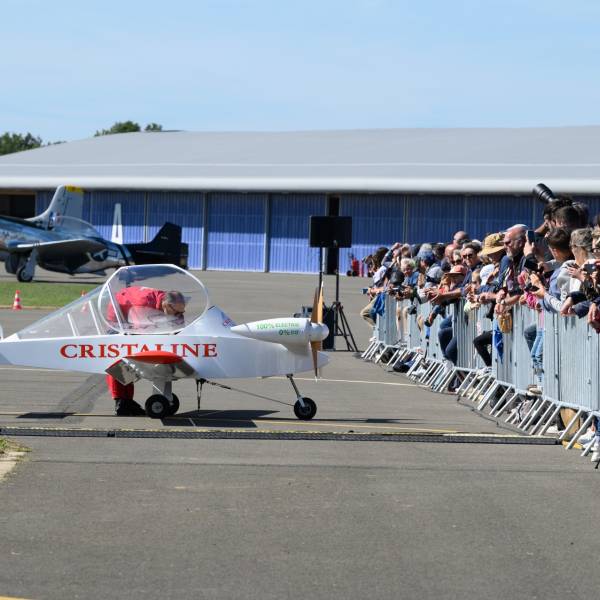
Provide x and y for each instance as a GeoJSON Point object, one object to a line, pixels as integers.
{"type": "Point", "coordinates": [244, 199]}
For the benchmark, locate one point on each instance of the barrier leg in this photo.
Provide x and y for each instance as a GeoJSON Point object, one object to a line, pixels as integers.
{"type": "Point", "coordinates": [467, 383]}
{"type": "Point", "coordinates": [550, 420]}
{"type": "Point", "coordinates": [432, 373]}
{"type": "Point", "coordinates": [571, 423]}
{"type": "Point", "coordinates": [373, 350]}
{"type": "Point", "coordinates": [552, 409]}
{"type": "Point", "coordinates": [480, 388]}
{"type": "Point", "coordinates": [581, 430]}
{"type": "Point", "coordinates": [498, 412]}
{"type": "Point", "coordinates": [403, 355]}
{"type": "Point", "coordinates": [501, 400]}
{"type": "Point", "coordinates": [425, 366]}
{"type": "Point", "coordinates": [372, 342]}
{"type": "Point", "coordinates": [442, 383]}
{"type": "Point", "coordinates": [533, 412]}
{"type": "Point", "coordinates": [396, 357]}
{"type": "Point", "coordinates": [487, 396]}
{"type": "Point", "coordinates": [419, 360]}
{"type": "Point", "coordinates": [588, 447]}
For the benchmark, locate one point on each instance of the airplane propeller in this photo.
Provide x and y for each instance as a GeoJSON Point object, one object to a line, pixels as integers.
{"type": "Point", "coordinates": [317, 317]}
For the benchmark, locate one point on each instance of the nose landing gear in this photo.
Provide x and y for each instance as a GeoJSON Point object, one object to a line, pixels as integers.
{"type": "Point", "coordinates": [304, 408]}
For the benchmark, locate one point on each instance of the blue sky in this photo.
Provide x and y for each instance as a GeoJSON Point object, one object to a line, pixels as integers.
{"type": "Point", "coordinates": [69, 68]}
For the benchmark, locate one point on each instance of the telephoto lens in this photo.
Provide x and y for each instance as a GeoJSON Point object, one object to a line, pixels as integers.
{"type": "Point", "coordinates": [543, 192]}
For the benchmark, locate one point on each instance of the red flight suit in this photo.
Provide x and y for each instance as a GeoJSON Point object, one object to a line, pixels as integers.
{"type": "Point", "coordinates": [126, 298]}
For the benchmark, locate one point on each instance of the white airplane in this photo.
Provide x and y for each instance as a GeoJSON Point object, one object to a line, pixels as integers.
{"type": "Point", "coordinates": [100, 333]}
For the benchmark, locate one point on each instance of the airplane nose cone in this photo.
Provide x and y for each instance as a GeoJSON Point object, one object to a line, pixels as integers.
{"type": "Point", "coordinates": [318, 332]}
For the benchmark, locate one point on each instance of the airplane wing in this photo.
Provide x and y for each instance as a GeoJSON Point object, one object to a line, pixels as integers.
{"type": "Point", "coordinates": [150, 365]}
{"type": "Point", "coordinates": [57, 249]}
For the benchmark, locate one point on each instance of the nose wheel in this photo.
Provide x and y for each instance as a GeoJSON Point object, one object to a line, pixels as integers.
{"type": "Point", "coordinates": [304, 408]}
{"type": "Point", "coordinates": [158, 406]}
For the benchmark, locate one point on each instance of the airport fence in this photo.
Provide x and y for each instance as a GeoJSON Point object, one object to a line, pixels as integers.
{"type": "Point", "coordinates": [406, 334]}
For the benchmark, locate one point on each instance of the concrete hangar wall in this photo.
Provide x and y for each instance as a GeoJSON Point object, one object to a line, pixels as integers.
{"type": "Point", "coordinates": [244, 199]}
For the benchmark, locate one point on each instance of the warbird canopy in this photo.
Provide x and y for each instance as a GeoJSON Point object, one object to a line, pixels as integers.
{"type": "Point", "coordinates": [174, 332]}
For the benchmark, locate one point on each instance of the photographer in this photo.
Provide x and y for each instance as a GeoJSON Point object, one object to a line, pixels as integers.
{"type": "Point", "coordinates": [403, 286]}
{"type": "Point", "coordinates": [581, 287]}
{"type": "Point", "coordinates": [378, 285]}
{"type": "Point", "coordinates": [493, 250]}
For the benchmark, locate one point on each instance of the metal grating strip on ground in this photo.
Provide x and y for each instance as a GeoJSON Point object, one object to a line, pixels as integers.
{"type": "Point", "coordinates": [456, 438]}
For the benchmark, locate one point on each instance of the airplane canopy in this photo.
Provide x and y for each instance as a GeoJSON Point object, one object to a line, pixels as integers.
{"type": "Point", "coordinates": [151, 299]}
{"type": "Point", "coordinates": [131, 302]}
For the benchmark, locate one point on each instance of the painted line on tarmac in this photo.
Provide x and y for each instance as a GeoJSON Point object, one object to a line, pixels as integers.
{"type": "Point", "coordinates": [241, 434]}
{"type": "Point", "coordinates": [193, 421]}
{"type": "Point", "coordinates": [351, 381]}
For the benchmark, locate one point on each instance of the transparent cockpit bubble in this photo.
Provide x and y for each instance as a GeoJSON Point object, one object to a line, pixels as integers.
{"type": "Point", "coordinates": [77, 319]}
{"type": "Point", "coordinates": [75, 226]}
{"type": "Point", "coordinates": [151, 299]}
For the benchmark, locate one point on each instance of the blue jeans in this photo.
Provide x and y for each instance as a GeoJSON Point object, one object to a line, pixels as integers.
{"type": "Point", "coordinates": [537, 355]}
{"type": "Point", "coordinates": [447, 340]}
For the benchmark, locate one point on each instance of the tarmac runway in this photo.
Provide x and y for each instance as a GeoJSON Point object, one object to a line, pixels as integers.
{"type": "Point", "coordinates": [326, 514]}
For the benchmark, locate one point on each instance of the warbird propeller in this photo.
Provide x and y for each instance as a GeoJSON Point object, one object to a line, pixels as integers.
{"type": "Point", "coordinates": [101, 333]}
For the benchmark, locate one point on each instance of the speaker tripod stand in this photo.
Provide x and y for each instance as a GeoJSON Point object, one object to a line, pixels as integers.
{"type": "Point", "coordinates": [341, 327]}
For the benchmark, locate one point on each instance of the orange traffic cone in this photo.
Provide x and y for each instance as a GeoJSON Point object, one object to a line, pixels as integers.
{"type": "Point", "coordinates": [84, 308]}
{"type": "Point", "coordinates": [17, 301]}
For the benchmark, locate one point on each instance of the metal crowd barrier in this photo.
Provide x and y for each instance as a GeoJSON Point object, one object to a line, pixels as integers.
{"type": "Point", "coordinates": [571, 364]}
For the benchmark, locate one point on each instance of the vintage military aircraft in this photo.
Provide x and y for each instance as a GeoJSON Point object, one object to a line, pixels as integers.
{"type": "Point", "coordinates": [59, 240]}
{"type": "Point", "coordinates": [98, 333]}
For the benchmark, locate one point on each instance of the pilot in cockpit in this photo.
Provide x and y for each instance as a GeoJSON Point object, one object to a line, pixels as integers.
{"type": "Point", "coordinates": [140, 309]}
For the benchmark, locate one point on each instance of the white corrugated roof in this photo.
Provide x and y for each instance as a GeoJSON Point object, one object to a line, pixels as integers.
{"type": "Point", "coordinates": [388, 160]}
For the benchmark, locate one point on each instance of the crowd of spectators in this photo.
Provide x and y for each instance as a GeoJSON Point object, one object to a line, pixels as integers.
{"type": "Point", "coordinates": [551, 269]}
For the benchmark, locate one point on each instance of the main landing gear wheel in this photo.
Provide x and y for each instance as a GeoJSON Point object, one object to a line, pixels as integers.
{"type": "Point", "coordinates": [23, 276]}
{"type": "Point", "coordinates": [306, 412]}
{"type": "Point", "coordinates": [174, 406]}
{"type": "Point", "coordinates": [157, 407]}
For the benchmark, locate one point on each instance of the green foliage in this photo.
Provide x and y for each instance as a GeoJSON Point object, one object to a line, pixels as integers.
{"type": "Point", "coordinates": [38, 294]}
{"type": "Point", "coordinates": [120, 127]}
{"type": "Point", "coordinates": [16, 142]}
{"type": "Point", "coordinates": [153, 127]}
{"type": "Point", "coordinates": [128, 127]}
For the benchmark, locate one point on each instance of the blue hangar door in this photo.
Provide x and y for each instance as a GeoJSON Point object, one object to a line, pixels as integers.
{"type": "Point", "coordinates": [235, 236]}
{"type": "Point", "coordinates": [133, 213]}
{"type": "Point", "coordinates": [377, 220]}
{"type": "Point", "coordinates": [184, 209]}
{"type": "Point", "coordinates": [289, 250]}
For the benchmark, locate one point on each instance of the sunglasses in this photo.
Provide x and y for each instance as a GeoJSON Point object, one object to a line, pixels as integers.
{"type": "Point", "coordinates": [470, 255]}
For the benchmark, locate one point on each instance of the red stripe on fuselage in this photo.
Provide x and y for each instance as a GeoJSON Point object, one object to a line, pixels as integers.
{"type": "Point", "coordinates": [156, 357]}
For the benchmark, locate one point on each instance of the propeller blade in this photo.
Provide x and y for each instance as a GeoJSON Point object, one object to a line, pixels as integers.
{"type": "Point", "coordinates": [317, 309]}
{"type": "Point", "coordinates": [315, 347]}
{"type": "Point", "coordinates": [317, 317]}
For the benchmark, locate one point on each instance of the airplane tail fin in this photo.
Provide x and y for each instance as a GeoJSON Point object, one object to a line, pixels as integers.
{"type": "Point", "coordinates": [66, 202]}
{"type": "Point", "coordinates": [166, 247]}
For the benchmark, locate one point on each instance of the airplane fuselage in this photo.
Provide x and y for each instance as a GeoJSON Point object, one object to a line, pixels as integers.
{"type": "Point", "coordinates": [16, 232]}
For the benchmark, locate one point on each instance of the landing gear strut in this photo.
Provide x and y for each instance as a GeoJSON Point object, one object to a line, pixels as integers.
{"type": "Point", "coordinates": [163, 404]}
{"type": "Point", "coordinates": [304, 408]}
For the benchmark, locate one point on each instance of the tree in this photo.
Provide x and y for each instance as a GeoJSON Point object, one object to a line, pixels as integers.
{"type": "Point", "coordinates": [153, 127]}
{"type": "Point", "coordinates": [120, 127]}
{"type": "Point", "coordinates": [16, 142]}
{"type": "Point", "coordinates": [128, 127]}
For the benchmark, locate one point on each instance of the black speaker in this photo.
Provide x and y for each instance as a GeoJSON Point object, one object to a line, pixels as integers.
{"type": "Point", "coordinates": [330, 232]}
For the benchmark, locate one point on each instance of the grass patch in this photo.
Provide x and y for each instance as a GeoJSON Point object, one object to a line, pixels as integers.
{"type": "Point", "coordinates": [37, 294]}
{"type": "Point", "coordinates": [6, 446]}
